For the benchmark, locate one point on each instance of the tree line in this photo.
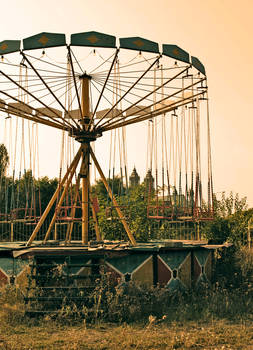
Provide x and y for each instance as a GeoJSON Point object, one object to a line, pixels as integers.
{"type": "Point", "coordinates": [230, 223]}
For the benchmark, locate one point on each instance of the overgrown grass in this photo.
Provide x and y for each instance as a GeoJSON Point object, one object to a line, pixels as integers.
{"type": "Point", "coordinates": [153, 334]}
{"type": "Point", "coordinates": [140, 316]}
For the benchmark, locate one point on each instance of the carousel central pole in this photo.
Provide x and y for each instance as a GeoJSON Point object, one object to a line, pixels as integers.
{"type": "Point", "coordinates": [85, 166]}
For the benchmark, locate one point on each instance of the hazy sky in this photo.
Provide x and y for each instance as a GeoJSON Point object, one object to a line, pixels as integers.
{"type": "Point", "coordinates": [218, 32]}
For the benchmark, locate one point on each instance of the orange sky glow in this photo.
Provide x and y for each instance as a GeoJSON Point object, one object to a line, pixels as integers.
{"type": "Point", "coordinates": [218, 32]}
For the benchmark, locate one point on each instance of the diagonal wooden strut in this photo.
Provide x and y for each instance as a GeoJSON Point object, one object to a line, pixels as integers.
{"type": "Point", "coordinates": [119, 212]}
{"type": "Point", "coordinates": [72, 214]}
{"type": "Point", "coordinates": [53, 199]}
{"type": "Point", "coordinates": [71, 174]}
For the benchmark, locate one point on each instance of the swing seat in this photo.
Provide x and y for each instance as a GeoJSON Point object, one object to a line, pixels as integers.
{"type": "Point", "coordinates": [69, 219]}
{"type": "Point", "coordinates": [184, 213]}
{"type": "Point", "coordinates": [64, 213]}
{"type": "Point", "coordinates": [160, 212]}
{"type": "Point", "coordinates": [201, 214]}
{"type": "Point", "coordinates": [33, 221]}
{"type": "Point", "coordinates": [24, 214]}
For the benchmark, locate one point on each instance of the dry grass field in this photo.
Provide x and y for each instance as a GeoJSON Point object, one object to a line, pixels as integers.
{"type": "Point", "coordinates": [190, 335]}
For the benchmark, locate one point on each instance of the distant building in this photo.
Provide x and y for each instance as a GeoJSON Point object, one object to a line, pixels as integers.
{"type": "Point", "coordinates": [149, 180]}
{"type": "Point", "coordinates": [134, 178]}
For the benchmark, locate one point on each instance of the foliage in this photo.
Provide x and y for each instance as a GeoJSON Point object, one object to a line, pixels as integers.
{"type": "Point", "coordinates": [116, 185]}
{"type": "Point", "coordinates": [22, 192]}
{"type": "Point", "coordinates": [231, 220]}
{"type": "Point", "coordinates": [47, 188]}
{"type": "Point", "coordinates": [4, 160]}
{"type": "Point", "coordinates": [132, 202]}
{"type": "Point", "coordinates": [218, 231]}
{"type": "Point", "coordinates": [11, 305]}
{"type": "Point", "coordinates": [230, 223]}
{"type": "Point", "coordinates": [131, 302]}
{"type": "Point", "coordinates": [229, 205]}
{"type": "Point", "coordinates": [23, 198]}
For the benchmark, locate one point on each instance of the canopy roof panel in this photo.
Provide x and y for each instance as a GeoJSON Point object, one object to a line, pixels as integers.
{"type": "Point", "coordinates": [140, 44]}
{"type": "Point", "coordinates": [198, 65]}
{"type": "Point", "coordinates": [44, 40]}
{"type": "Point", "coordinates": [176, 52]}
{"type": "Point", "coordinates": [8, 46]}
{"type": "Point", "coordinates": [93, 39]}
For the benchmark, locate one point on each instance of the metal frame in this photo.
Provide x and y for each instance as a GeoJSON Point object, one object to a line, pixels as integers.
{"type": "Point", "coordinates": [86, 129]}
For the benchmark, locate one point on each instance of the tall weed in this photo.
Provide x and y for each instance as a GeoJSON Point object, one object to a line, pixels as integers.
{"type": "Point", "coordinates": [229, 297]}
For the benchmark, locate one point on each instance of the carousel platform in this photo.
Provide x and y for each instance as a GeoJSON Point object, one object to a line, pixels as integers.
{"type": "Point", "coordinates": [170, 263]}
{"type": "Point", "coordinates": [55, 275]}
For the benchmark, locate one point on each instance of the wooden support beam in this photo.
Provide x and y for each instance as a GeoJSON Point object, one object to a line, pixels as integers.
{"type": "Point", "coordinates": [85, 193]}
{"type": "Point", "coordinates": [12, 232]}
{"type": "Point", "coordinates": [71, 174]}
{"type": "Point", "coordinates": [85, 104]}
{"type": "Point", "coordinates": [119, 212]}
{"type": "Point", "coordinates": [53, 199]}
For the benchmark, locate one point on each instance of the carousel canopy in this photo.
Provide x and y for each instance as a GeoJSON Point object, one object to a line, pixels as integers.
{"type": "Point", "coordinates": [93, 39]}
{"type": "Point", "coordinates": [139, 44]}
{"type": "Point", "coordinates": [44, 40]}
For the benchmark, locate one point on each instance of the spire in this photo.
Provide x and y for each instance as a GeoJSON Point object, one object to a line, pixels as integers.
{"type": "Point", "coordinates": [134, 178]}
{"type": "Point", "coordinates": [149, 180]}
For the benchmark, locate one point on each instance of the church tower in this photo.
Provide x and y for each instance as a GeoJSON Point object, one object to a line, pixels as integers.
{"type": "Point", "coordinates": [149, 180]}
{"type": "Point", "coordinates": [134, 178]}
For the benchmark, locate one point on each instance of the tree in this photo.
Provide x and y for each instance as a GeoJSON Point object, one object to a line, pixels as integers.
{"type": "Point", "coordinates": [231, 220]}
{"type": "Point", "coordinates": [4, 182]}
{"type": "Point", "coordinates": [47, 188]}
{"type": "Point", "coordinates": [227, 206]}
{"type": "Point", "coordinates": [133, 204]}
{"type": "Point", "coordinates": [115, 184]}
{"type": "Point", "coordinates": [4, 160]}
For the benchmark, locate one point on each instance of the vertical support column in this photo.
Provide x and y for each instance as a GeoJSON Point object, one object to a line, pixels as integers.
{"type": "Point", "coordinates": [85, 176]}
{"type": "Point", "coordinates": [85, 171]}
{"type": "Point", "coordinates": [85, 102]}
{"type": "Point", "coordinates": [12, 232]}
